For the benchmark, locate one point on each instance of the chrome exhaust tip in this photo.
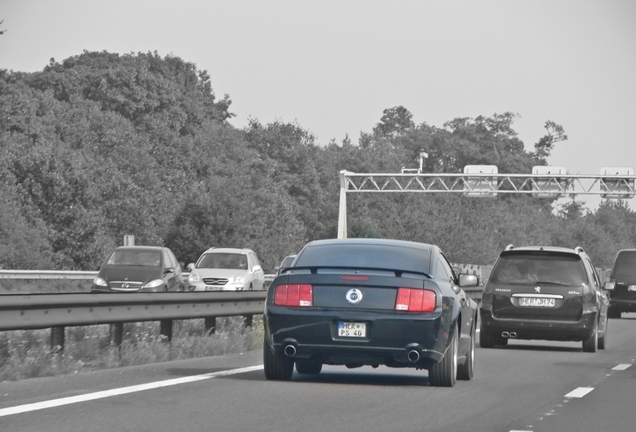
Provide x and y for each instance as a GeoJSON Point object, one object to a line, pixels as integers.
{"type": "Point", "coordinates": [413, 356]}
{"type": "Point", "coordinates": [290, 350]}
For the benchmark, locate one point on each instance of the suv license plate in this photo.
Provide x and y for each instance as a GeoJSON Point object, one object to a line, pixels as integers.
{"type": "Point", "coordinates": [352, 329]}
{"type": "Point", "coordinates": [536, 302]}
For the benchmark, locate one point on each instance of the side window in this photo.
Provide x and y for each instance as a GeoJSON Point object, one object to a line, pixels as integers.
{"type": "Point", "coordinates": [445, 270]}
{"type": "Point", "coordinates": [167, 259]}
{"type": "Point", "coordinates": [175, 263]}
{"type": "Point", "coordinates": [255, 259]}
{"type": "Point", "coordinates": [592, 272]}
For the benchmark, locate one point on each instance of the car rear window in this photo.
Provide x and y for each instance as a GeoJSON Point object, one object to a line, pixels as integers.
{"type": "Point", "coordinates": [536, 268]}
{"type": "Point", "coordinates": [366, 256]}
{"type": "Point", "coordinates": [625, 263]}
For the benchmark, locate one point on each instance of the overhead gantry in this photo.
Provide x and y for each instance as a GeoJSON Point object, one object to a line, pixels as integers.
{"type": "Point", "coordinates": [484, 181]}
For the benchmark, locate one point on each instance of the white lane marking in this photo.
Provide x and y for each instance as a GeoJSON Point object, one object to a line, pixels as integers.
{"type": "Point", "coordinates": [579, 392]}
{"type": "Point", "coordinates": [622, 366]}
{"type": "Point", "coordinates": [120, 391]}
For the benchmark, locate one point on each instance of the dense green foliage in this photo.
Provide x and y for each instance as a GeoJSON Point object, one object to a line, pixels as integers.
{"type": "Point", "coordinates": [102, 145]}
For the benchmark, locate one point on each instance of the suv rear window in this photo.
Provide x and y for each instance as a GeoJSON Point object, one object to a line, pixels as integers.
{"type": "Point", "coordinates": [625, 263]}
{"type": "Point", "coordinates": [539, 268]}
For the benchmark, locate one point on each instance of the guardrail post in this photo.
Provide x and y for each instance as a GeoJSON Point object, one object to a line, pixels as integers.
{"type": "Point", "coordinates": [166, 329]}
{"type": "Point", "coordinates": [117, 334]}
{"type": "Point", "coordinates": [249, 319]}
{"type": "Point", "coordinates": [57, 339]}
{"type": "Point", "coordinates": [210, 325]}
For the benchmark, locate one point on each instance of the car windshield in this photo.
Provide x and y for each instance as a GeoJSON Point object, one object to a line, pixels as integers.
{"type": "Point", "coordinates": [135, 258]}
{"type": "Point", "coordinates": [223, 260]}
{"type": "Point", "coordinates": [526, 269]}
{"type": "Point", "coordinates": [366, 256]}
{"type": "Point", "coordinates": [625, 263]}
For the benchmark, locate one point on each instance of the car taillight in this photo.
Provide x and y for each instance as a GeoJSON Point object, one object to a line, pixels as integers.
{"type": "Point", "coordinates": [415, 300]}
{"type": "Point", "coordinates": [298, 295]}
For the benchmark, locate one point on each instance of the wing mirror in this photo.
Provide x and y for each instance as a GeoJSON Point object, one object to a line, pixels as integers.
{"type": "Point", "coordinates": [468, 280]}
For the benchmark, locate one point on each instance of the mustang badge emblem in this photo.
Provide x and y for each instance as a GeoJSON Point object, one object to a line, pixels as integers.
{"type": "Point", "coordinates": [354, 296]}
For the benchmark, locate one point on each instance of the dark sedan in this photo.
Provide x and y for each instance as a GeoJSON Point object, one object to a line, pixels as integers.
{"type": "Point", "coordinates": [357, 302]}
{"type": "Point", "coordinates": [139, 269]}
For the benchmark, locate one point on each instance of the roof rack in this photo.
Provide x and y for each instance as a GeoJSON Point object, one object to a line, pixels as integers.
{"type": "Point", "coordinates": [579, 249]}
{"type": "Point", "coordinates": [510, 246]}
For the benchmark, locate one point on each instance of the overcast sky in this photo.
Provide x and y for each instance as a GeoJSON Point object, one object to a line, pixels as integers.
{"type": "Point", "coordinates": [332, 67]}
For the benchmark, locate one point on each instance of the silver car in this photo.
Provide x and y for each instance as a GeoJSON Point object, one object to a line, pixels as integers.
{"type": "Point", "coordinates": [226, 269]}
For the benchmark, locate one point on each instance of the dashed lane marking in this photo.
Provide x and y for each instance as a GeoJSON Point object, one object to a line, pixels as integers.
{"type": "Point", "coordinates": [621, 367]}
{"type": "Point", "coordinates": [120, 391]}
{"type": "Point", "coordinates": [579, 392]}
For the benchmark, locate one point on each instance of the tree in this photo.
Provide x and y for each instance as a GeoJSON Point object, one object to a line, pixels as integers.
{"type": "Point", "coordinates": [545, 145]}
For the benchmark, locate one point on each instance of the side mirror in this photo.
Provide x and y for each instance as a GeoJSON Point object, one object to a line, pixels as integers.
{"type": "Point", "coordinates": [468, 280]}
{"type": "Point", "coordinates": [191, 266]}
{"type": "Point", "coordinates": [609, 286]}
{"type": "Point", "coordinates": [257, 268]}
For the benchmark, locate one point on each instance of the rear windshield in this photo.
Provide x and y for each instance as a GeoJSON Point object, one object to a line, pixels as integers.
{"type": "Point", "coordinates": [625, 263]}
{"type": "Point", "coordinates": [539, 269]}
{"type": "Point", "coordinates": [367, 256]}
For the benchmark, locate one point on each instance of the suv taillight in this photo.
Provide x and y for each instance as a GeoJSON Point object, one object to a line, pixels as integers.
{"type": "Point", "coordinates": [415, 300]}
{"type": "Point", "coordinates": [297, 295]}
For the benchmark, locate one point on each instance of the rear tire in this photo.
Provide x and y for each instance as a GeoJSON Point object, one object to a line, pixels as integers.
{"type": "Point", "coordinates": [444, 373]}
{"type": "Point", "coordinates": [276, 366]}
{"type": "Point", "coordinates": [466, 371]}
{"type": "Point", "coordinates": [308, 367]}
{"type": "Point", "coordinates": [590, 343]}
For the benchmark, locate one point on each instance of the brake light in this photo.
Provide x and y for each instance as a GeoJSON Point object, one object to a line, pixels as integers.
{"type": "Point", "coordinates": [297, 295]}
{"type": "Point", "coordinates": [357, 278]}
{"type": "Point", "coordinates": [415, 300]}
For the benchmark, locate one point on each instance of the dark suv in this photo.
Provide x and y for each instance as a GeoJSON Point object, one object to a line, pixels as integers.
{"type": "Point", "coordinates": [544, 292]}
{"type": "Point", "coordinates": [622, 285]}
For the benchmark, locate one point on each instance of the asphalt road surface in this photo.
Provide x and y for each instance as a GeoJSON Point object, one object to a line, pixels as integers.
{"type": "Point", "coordinates": [528, 386]}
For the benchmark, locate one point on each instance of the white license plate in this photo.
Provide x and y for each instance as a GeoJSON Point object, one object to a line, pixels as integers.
{"type": "Point", "coordinates": [352, 329]}
{"type": "Point", "coordinates": [536, 302]}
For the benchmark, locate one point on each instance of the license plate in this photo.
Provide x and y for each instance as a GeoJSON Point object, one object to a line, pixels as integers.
{"type": "Point", "coordinates": [352, 329]}
{"type": "Point", "coordinates": [536, 302]}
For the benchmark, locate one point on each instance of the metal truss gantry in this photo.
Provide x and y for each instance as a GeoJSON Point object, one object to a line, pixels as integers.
{"type": "Point", "coordinates": [552, 186]}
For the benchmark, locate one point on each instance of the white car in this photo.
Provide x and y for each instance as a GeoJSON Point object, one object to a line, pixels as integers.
{"type": "Point", "coordinates": [226, 269]}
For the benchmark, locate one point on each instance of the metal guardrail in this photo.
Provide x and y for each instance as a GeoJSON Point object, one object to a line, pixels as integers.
{"type": "Point", "coordinates": [47, 274]}
{"type": "Point", "coordinates": [37, 311]}
{"type": "Point", "coordinates": [68, 275]}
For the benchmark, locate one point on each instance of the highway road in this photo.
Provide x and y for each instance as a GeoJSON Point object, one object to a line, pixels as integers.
{"type": "Point", "coordinates": [528, 386]}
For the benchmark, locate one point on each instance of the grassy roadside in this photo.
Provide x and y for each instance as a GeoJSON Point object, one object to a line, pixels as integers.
{"type": "Point", "coordinates": [27, 354]}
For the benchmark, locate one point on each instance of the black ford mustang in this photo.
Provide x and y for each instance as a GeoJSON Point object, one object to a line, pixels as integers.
{"type": "Point", "coordinates": [374, 302]}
